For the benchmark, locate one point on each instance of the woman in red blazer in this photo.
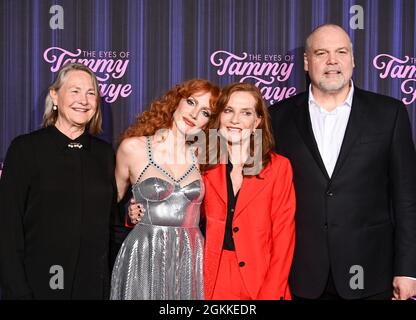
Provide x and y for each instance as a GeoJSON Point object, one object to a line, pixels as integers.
{"type": "Point", "coordinates": [249, 203]}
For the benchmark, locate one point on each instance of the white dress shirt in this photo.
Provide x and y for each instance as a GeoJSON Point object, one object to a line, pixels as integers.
{"type": "Point", "coordinates": [329, 128]}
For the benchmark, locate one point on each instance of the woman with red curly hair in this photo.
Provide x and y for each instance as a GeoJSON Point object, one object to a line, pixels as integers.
{"type": "Point", "coordinates": [162, 256]}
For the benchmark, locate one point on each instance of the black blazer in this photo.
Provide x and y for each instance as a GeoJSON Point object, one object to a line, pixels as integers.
{"type": "Point", "coordinates": [55, 209]}
{"type": "Point", "coordinates": [365, 214]}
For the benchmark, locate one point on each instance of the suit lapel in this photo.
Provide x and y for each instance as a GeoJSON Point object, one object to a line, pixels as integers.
{"type": "Point", "coordinates": [249, 190]}
{"type": "Point", "coordinates": [303, 123]}
{"type": "Point", "coordinates": [216, 177]}
{"type": "Point", "coordinates": [356, 122]}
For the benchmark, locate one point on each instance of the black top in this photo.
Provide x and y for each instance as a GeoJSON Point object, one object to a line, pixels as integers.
{"type": "Point", "coordinates": [55, 207]}
{"type": "Point", "coordinates": [232, 202]}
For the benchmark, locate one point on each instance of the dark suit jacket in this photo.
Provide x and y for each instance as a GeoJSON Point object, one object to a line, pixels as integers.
{"type": "Point", "coordinates": [365, 214]}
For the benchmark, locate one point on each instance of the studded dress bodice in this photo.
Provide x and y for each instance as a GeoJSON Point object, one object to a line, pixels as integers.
{"type": "Point", "coordinates": [162, 256]}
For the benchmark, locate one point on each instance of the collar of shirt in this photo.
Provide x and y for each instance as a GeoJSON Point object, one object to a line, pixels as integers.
{"type": "Point", "coordinates": [62, 141]}
{"type": "Point", "coordinates": [347, 102]}
{"type": "Point", "coordinates": [329, 128]}
{"type": "Point", "coordinates": [229, 166]}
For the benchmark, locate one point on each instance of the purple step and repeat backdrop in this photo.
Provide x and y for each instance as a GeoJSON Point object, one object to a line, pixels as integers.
{"type": "Point", "coordinates": [141, 48]}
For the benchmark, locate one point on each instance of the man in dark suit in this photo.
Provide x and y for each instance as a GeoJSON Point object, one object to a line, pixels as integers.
{"type": "Point", "coordinates": [354, 166]}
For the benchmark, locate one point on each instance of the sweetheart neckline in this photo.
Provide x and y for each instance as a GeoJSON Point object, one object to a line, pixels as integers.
{"type": "Point", "coordinates": [172, 184]}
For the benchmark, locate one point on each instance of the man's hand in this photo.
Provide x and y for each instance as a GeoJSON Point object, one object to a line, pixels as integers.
{"type": "Point", "coordinates": [403, 288]}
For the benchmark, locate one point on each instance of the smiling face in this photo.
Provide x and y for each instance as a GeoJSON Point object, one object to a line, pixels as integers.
{"type": "Point", "coordinates": [76, 100]}
{"type": "Point", "coordinates": [239, 118]}
{"type": "Point", "coordinates": [329, 59]}
{"type": "Point", "coordinates": [192, 114]}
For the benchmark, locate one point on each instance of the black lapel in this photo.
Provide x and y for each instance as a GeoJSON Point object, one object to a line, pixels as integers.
{"type": "Point", "coordinates": [303, 122]}
{"type": "Point", "coordinates": [356, 122]}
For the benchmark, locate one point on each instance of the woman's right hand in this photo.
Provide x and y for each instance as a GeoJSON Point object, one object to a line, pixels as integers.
{"type": "Point", "coordinates": [136, 211]}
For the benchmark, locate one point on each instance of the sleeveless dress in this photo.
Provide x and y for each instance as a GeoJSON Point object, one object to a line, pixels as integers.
{"type": "Point", "coordinates": [161, 258]}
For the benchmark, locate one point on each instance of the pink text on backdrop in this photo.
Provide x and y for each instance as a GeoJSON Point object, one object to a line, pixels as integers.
{"type": "Point", "coordinates": [267, 71]}
{"type": "Point", "coordinates": [105, 69]}
{"type": "Point", "coordinates": [393, 67]}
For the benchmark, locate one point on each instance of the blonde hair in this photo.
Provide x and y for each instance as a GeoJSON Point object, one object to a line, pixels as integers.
{"type": "Point", "coordinates": [50, 116]}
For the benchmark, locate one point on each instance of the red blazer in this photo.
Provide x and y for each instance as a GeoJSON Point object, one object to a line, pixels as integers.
{"type": "Point", "coordinates": [265, 238]}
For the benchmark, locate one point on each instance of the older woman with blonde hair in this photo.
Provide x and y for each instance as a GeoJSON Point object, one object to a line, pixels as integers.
{"type": "Point", "coordinates": [57, 192]}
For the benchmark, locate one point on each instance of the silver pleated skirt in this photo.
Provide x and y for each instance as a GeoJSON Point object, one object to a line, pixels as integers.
{"type": "Point", "coordinates": [159, 263]}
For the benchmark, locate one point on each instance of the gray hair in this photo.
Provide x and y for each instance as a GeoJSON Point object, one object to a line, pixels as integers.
{"type": "Point", "coordinates": [50, 116]}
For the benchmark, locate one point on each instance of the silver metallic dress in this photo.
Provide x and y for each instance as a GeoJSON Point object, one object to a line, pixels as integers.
{"type": "Point", "coordinates": [161, 259]}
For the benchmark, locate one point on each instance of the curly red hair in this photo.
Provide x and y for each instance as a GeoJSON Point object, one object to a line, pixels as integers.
{"type": "Point", "coordinates": [160, 113]}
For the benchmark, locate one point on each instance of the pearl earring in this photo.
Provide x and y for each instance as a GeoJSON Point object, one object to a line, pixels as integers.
{"type": "Point", "coordinates": [54, 107]}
